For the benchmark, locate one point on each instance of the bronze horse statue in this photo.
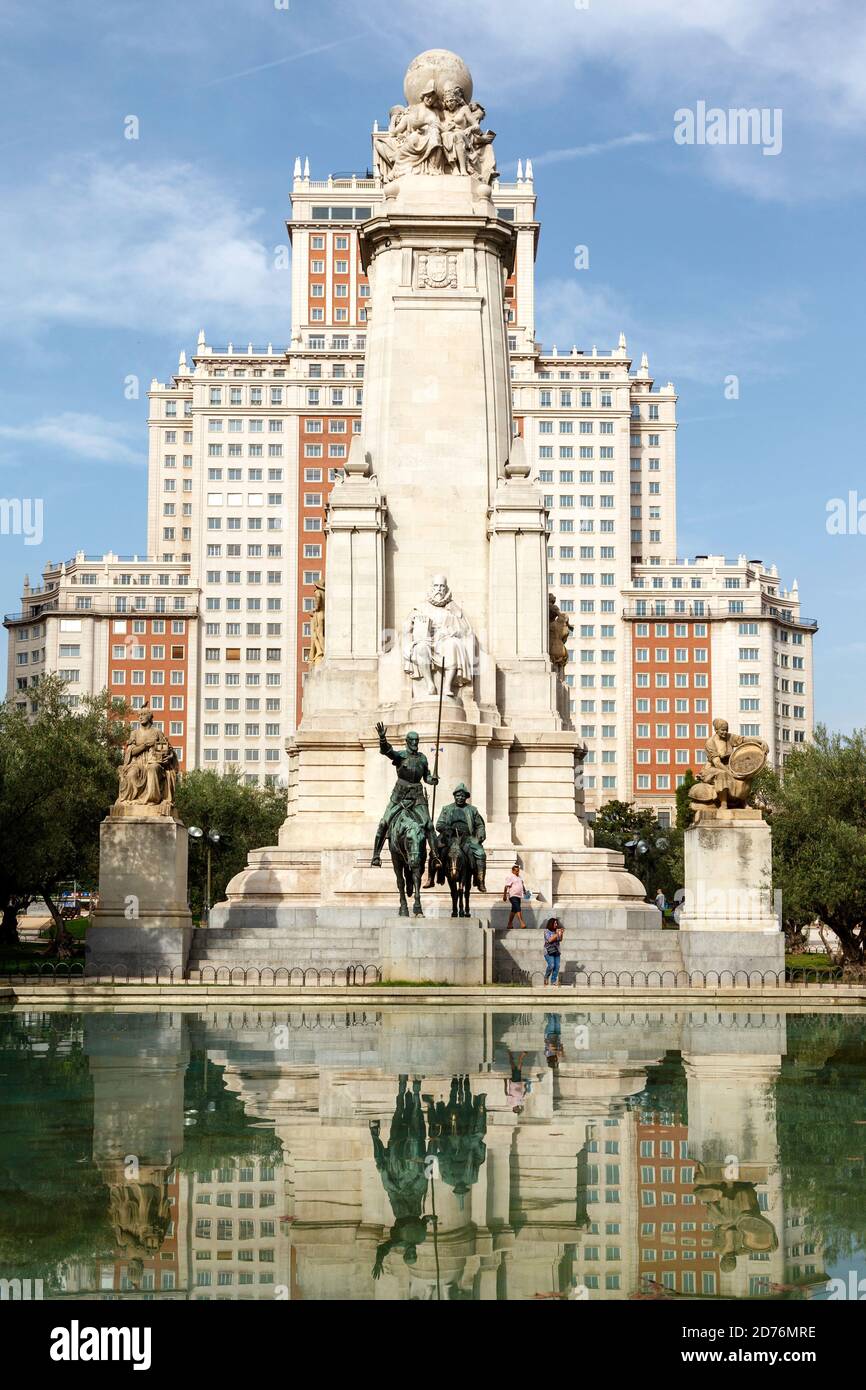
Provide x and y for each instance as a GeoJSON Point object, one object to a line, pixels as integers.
{"type": "Point", "coordinates": [408, 846]}
{"type": "Point", "coordinates": [459, 870]}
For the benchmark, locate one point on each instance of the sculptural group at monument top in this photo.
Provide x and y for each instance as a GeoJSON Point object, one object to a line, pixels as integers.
{"type": "Point", "coordinates": [440, 130]}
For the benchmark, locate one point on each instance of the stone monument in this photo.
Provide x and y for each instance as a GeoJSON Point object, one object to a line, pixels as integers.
{"type": "Point", "coordinates": [436, 571]}
{"type": "Point", "coordinates": [143, 922]}
{"type": "Point", "coordinates": [728, 923]}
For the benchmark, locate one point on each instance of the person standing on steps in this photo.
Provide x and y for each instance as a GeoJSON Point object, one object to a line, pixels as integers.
{"type": "Point", "coordinates": [553, 934]}
{"type": "Point", "coordinates": [513, 893]}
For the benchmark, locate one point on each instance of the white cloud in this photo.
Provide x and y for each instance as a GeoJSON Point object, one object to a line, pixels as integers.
{"type": "Point", "coordinates": [659, 55]}
{"type": "Point", "coordinates": [85, 436]}
{"type": "Point", "coordinates": [743, 340]}
{"type": "Point", "coordinates": [160, 247]}
{"type": "Point", "coordinates": [281, 62]}
{"type": "Point", "coordinates": [619, 142]}
{"type": "Point", "coordinates": [818, 48]}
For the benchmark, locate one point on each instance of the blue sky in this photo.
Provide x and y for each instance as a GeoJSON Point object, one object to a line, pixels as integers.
{"type": "Point", "coordinates": [716, 260]}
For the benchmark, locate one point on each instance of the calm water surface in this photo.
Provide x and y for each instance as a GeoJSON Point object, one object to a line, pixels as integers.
{"type": "Point", "coordinates": [433, 1154]}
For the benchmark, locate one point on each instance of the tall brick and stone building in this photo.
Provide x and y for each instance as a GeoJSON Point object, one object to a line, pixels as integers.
{"type": "Point", "coordinates": [245, 445]}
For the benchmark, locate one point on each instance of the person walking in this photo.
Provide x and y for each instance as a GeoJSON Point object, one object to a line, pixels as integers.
{"type": "Point", "coordinates": [513, 893]}
{"type": "Point", "coordinates": [553, 934]}
{"type": "Point", "coordinates": [661, 902]}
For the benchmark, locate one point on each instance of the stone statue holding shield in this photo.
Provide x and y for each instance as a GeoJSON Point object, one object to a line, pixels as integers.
{"type": "Point", "coordinates": [725, 780]}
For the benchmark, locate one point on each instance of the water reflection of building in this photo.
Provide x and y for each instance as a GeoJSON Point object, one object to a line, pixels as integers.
{"type": "Point", "coordinates": [545, 1180]}
{"type": "Point", "coordinates": [803, 1249]}
{"type": "Point", "coordinates": [234, 1223]}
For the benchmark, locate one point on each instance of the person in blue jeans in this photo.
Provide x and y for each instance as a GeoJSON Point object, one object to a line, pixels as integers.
{"type": "Point", "coordinates": [553, 934]}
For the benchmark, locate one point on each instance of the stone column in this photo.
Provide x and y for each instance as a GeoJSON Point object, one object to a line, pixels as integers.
{"type": "Point", "coordinates": [437, 406]}
{"type": "Point", "coordinates": [347, 682]}
{"type": "Point", "coordinates": [143, 922]}
{"type": "Point", "coordinates": [728, 923]}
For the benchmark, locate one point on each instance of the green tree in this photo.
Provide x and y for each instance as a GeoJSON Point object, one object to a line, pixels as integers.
{"type": "Point", "coordinates": [218, 1132]}
{"type": "Point", "coordinates": [660, 865]}
{"type": "Point", "coordinates": [55, 1202]}
{"type": "Point", "coordinates": [245, 817]}
{"type": "Point", "coordinates": [819, 1105]}
{"type": "Point", "coordinates": [685, 814]}
{"type": "Point", "coordinates": [58, 777]}
{"type": "Point", "coordinates": [817, 812]}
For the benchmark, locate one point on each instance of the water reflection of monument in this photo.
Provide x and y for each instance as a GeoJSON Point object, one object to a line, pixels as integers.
{"type": "Point", "coordinates": [731, 1076]}
{"type": "Point", "coordinates": [447, 1189]}
{"type": "Point", "coordinates": [443, 1142]}
{"type": "Point", "coordinates": [566, 1194]}
{"type": "Point", "coordinates": [138, 1073]}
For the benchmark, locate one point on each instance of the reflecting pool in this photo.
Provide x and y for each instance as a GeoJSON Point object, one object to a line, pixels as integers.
{"type": "Point", "coordinates": [433, 1154]}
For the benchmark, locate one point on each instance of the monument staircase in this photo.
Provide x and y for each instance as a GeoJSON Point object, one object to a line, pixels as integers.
{"type": "Point", "coordinates": [330, 940]}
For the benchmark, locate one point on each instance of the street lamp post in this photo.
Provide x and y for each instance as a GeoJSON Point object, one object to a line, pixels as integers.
{"type": "Point", "coordinates": [637, 847]}
{"type": "Point", "coordinates": [213, 838]}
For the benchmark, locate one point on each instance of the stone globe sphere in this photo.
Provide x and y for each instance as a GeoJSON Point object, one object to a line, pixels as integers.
{"type": "Point", "coordinates": [440, 66]}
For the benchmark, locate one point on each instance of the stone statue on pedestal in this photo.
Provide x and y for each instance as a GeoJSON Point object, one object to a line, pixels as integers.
{"type": "Point", "coordinates": [438, 637]}
{"type": "Point", "coordinates": [560, 631]}
{"type": "Point", "coordinates": [725, 781]}
{"type": "Point", "coordinates": [148, 772]}
{"type": "Point", "coordinates": [317, 626]}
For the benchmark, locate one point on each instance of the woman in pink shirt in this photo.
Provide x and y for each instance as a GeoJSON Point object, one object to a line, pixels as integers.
{"type": "Point", "coordinates": [513, 891]}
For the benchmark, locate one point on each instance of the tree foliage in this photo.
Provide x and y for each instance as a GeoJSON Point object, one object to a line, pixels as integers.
{"type": "Point", "coordinates": [58, 777]}
{"type": "Point", "coordinates": [661, 865]}
{"type": "Point", "coordinates": [817, 812]}
{"type": "Point", "coordinates": [685, 812]}
{"type": "Point", "coordinates": [54, 1200]}
{"type": "Point", "coordinates": [819, 1102]}
{"type": "Point", "coordinates": [245, 817]}
{"type": "Point", "coordinates": [218, 1132]}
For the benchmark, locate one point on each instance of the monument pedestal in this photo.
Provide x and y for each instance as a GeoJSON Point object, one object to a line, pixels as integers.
{"type": "Point", "coordinates": [448, 951]}
{"type": "Point", "coordinates": [143, 922]}
{"type": "Point", "coordinates": [728, 924]}
{"type": "Point", "coordinates": [416, 583]}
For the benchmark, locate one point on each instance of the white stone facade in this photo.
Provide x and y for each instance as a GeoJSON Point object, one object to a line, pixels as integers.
{"type": "Point", "coordinates": [247, 442]}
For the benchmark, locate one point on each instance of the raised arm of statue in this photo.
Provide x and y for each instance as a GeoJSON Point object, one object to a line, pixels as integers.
{"type": "Point", "coordinates": [384, 746]}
